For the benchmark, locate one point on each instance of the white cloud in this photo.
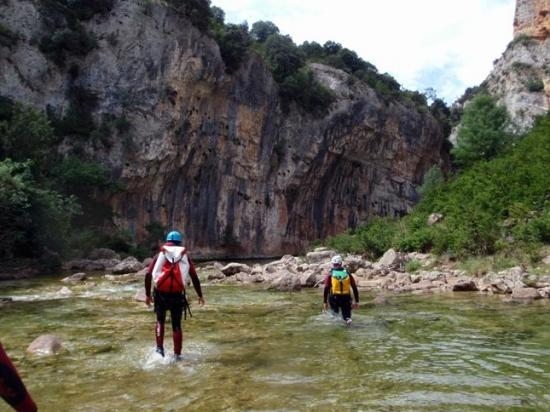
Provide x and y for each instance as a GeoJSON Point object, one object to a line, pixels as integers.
{"type": "Point", "coordinates": [442, 44]}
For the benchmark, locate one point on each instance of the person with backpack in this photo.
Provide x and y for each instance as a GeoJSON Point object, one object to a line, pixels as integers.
{"type": "Point", "coordinates": [169, 273]}
{"type": "Point", "coordinates": [337, 292]}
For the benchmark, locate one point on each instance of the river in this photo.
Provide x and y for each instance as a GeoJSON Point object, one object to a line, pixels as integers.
{"type": "Point", "coordinates": [249, 349]}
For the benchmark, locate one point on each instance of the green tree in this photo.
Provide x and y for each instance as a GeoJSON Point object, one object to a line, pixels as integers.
{"type": "Point", "coordinates": [27, 135]}
{"type": "Point", "coordinates": [312, 50]}
{"type": "Point", "coordinates": [67, 41]}
{"type": "Point", "coordinates": [482, 133]}
{"type": "Point", "coordinates": [441, 112]}
{"type": "Point", "coordinates": [385, 84]}
{"type": "Point", "coordinates": [198, 11]}
{"type": "Point", "coordinates": [497, 206]}
{"type": "Point", "coordinates": [32, 218]}
{"type": "Point", "coordinates": [14, 205]}
{"type": "Point", "coordinates": [417, 97]}
{"type": "Point", "coordinates": [433, 179]}
{"type": "Point", "coordinates": [261, 30]}
{"type": "Point", "coordinates": [283, 56]}
{"type": "Point", "coordinates": [304, 89]}
{"type": "Point", "coordinates": [331, 47]}
{"type": "Point", "coordinates": [74, 176]}
{"type": "Point", "coordinates": [217, 21]}
{"type": "Point", "coordinates": [234, 41]}
{"type": "Point", "coordinates": [352, 61]}
{"type": "Point", "coordinates": [431, 94]}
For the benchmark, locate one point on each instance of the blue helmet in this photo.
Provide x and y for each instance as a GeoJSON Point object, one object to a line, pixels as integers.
{"type": "Point", "coordinates": [173, 236]}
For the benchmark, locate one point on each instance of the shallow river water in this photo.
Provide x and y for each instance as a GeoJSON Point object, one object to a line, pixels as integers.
{"type": "Point", "coordinates": [249, 349]}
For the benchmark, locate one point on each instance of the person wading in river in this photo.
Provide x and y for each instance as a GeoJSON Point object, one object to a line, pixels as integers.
{"type": "Point", "coordinates": [12, 388]}
{"type": "Point", "coordinates": [337, 292]}
{"type": "Point", "coordinates": [168, 272]}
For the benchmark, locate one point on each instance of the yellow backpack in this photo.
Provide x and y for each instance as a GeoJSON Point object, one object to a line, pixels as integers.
{"type": "Point", "coordinates": [340, 281]}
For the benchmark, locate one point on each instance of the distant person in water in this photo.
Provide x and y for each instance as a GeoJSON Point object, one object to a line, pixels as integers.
{"type": "Point", "coordinates": [337, 292]}
{"type": "Point", "coordinates": [12, 388]}
{"type": "Point", "coordinates": [168, 273]}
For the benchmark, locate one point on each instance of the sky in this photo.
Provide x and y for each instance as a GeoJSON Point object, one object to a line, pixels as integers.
{"type": "Point", "coordinates": [445, 45]}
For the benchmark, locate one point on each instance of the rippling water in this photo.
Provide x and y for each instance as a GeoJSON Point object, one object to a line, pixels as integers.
{"type": "Point", "coordinates": [249, 349]}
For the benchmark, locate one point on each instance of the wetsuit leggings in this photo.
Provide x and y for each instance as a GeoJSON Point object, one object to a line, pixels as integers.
{"type": "Point", "coordinates": [341, 303]}
{"type": "Point", "coordinates": [12, 388]}
{"type": "Point", "coordinates": [172, 302]}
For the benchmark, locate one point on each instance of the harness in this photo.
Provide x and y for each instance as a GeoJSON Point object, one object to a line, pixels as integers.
{"type": "Point", "coordinates": [186, 306]}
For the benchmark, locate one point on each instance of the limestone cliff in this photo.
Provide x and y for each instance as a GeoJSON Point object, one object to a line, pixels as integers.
{"type": "Point", "coordinates": [520, 79]}
{"type": "Point", "coordinates": [532, 18]}
{"type": "Point", "coordinates": [213, 154]}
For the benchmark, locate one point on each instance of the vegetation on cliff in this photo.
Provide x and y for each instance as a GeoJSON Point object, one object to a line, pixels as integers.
{"type": "Point", "coordinates": [497, 203]}
{"type": "Point", "coordinates": [289, 62]}
{"type": "Point", "coordinates": [41, 192]}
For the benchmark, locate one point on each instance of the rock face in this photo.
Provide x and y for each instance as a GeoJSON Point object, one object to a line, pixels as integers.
{"type": "Point", "coordinates": [532, 18]}
{"type": "Point", "coordinates": [520, 79]}
{"type": "Point", "coordinates": [213, 154]}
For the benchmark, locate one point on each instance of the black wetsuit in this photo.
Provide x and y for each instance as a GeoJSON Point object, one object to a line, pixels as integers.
{"type": "Point", "coordinates": [340, 302]}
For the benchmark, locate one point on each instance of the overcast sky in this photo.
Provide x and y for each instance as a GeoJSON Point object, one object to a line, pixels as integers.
{"type": "Point", "coordinates": [447, 45]}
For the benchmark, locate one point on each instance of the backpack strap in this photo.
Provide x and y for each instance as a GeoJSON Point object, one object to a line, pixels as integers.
{"type": "Point", "coordinates": [339, 273]}
{"type": "Point", "coordinates": [177, 259]}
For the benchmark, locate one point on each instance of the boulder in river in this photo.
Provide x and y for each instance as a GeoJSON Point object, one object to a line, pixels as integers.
{"type": "Point", "coordinates": [45, 345]}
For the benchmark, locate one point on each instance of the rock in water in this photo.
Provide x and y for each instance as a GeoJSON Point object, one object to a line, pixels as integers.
{"type": "Point", "coordinates": [45, 345]}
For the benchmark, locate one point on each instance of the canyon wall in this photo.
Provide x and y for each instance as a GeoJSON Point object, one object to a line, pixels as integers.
{"type": "Point", "coordinates": [214, 155]}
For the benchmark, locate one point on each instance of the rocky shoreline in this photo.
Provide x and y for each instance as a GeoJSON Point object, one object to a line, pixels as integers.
{"type": "Point", "coordinates": [391, 274]}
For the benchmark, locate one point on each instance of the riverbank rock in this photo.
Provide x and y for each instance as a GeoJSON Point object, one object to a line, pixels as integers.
{"type": "Point", "coordinates": [234, 268]}
{"type": "Point", "coordinates": [128, 265]}
{"type": "Point", "coordinates": [103, 254]}
{"type": "Point", "coordinates": [387, 275]}
{"type": "Point", "coordinates": [319, 255]}
{"type": "Point", "coordinates": [525, 293]}
{"type": "Point", "coordinates": [286, 283]}
{"type": "Point", "coordinates": [127, 277]}
{"type": "Point", "coordinates": [88, 265]}
{"type": "Point", "coordinates": [18, 273]}
{"type": "Point", "coordinates": [391, 259]}
{"type": "Point", "coordinates": [75, 278]}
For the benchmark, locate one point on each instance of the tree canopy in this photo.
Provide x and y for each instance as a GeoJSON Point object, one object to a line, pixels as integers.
{"type": "Point", "coordinates": [483, 131]}
{"type": "Point", "coordinates": [261, 30]}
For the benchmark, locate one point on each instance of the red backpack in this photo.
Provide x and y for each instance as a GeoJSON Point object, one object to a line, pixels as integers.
{"type": "Point", "coordinates": [171, 279]}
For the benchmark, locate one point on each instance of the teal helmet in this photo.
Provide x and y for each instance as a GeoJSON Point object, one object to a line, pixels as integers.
{"type": "Point", "coordinates": [173, 236]}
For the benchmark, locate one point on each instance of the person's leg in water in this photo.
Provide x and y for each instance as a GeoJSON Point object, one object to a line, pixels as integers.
{"type": "Point", "coordinates": [333, 304]}
{"type": "Point", "coordinates": [176, 312]}
{"type": "Point", "coordinates": [345, 304]}
{"type": "Point", "coordinates": [160, 311]}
